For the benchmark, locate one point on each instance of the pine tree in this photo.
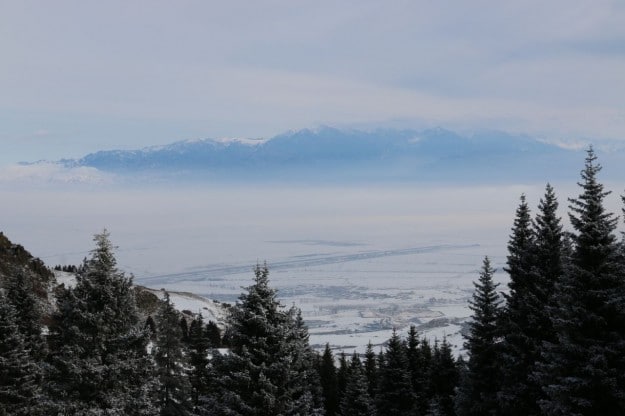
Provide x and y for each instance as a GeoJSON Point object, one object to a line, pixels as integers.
{"type": "Point", "coordinates": [444, 379]}
{"type": "Point", "coordinates": [395, 395]}
{"type": "Point", "coordinates": [329, 382]}
{"type": "Point", "coordinates": [342, 374]}
{"type": "Point", "coordinates": [356, 401]}
{"type": "Point", "coordinates": [265, 351]}
{"type": "Point", "coordinates": [425, 379]}
{"type": "Point", "coordinates": [150, 327]}
{"type": "Point", "coordinates": [98, 361]}
{"type": "Point", "coordinates": [199, 346]}
{"type": "Point", "coordinates": [303, 393]}
{"type": "Point", "coordinates": [184, 329]}
{"type": "Point", "coordinates": [214, 334]}
{"type": "Point", "coordinates": [481, 383]}
{"type": "Point", "coordinates": [173, 389]}
{"type": "Point", "coordinates": [20, 392]}
{"type": "Point", "coordinates": [583, 373]}
{"type": "Point", "coordinates": [371, 370]}
{"type": "Point", "coordinates": [420, 369]}
{"type": "Point", "coordinates": [21, 294]}
{"type": "Point", "coordinates": [520, 343]}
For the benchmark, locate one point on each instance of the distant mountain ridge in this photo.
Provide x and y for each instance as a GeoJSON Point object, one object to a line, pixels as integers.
{"type": "Point", "coordinates": [330, 154]}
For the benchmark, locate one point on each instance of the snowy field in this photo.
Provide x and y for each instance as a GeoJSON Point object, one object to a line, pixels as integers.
{"type": "Point", "coordinates": [357, 261]}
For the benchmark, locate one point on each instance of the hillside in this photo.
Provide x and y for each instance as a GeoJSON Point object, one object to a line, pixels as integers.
{"type": "Point", "coordinates": [15, 259]}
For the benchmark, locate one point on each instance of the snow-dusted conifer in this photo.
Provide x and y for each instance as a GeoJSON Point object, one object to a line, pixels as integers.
{"type": "Point", "coordinates": [199, 346]}
{"type": "Point", "coordinates": [174, 392]}
{"type": "Point", "coordinates": [98, 362]}
{"type": "Point", "coordinates": [303, 388]}
{"type": "Point", "coordinates": [20, 392]}
{"type": "Point", "coordinates": [356, 401]}
{"type": "Point", "coordinates": [253, 378]}
{"type": "Point", "coordinates": [20, 293]}
{"type": "Point", "coordinates": [395, 395]}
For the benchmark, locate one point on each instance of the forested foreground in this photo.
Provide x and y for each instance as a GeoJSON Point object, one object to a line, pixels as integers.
{"type": "Point", "coordinates": [552, 344]}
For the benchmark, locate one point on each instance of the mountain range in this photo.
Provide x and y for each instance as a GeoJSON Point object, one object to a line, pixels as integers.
{"type": "Point", "coordinates": [328, 154]}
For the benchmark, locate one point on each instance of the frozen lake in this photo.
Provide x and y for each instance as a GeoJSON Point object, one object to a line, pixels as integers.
{"type": "Point", "coordinates": [358, 261]}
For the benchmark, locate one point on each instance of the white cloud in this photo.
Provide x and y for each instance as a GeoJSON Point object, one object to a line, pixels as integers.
{"type": "Point", "coordinates": [246, 69]}
{"type": "Point", "coordinates": [45, 173]}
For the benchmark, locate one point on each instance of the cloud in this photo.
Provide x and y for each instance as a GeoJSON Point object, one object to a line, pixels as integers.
{"type": "Point", "coordinates": [246, 69]}
{"type": "Point", "coordinates": [47, 173]}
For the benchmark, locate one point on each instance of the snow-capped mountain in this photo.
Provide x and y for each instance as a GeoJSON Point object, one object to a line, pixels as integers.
{"type": "Point", "coordinates": [332, 155]}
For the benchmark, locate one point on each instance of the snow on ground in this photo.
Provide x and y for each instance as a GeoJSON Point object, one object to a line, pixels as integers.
{"type": "Point", "coordinates": [352, 295]}
{"type": "Point", "coordinates": [358, 261]}
{"type": "Point", "coordinates": [65, 278]}
{"type": "Point", "coordinates": [184, 301]}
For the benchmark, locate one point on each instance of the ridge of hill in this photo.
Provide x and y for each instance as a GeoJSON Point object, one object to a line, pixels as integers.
{"type": "Point", "coordinates": [15, 259]}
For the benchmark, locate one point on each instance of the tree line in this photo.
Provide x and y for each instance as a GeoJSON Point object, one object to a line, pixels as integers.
{"type": "Point", "coordinates": [552, 344]}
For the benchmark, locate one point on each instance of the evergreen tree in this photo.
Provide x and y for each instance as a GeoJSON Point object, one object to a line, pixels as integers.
{"type": "Point", "coordinates": [184, 329]}
{"type": "Point", "coordinates": [173, 389]}
{"type": "Point", "coordinates": [150, 327]}
{"type": "Point", "coordinates": [583, 373]}
{"type": "Point", "coordinates": [329, 382]}
{"type": "Point", "coordinates": [21, 294]}
{"type": "Point", "coordinates": [342, 374]}
{"type": "Point", "coordinates": [535, 265]}
{"type": "Point", "coordinates": [303, 393]}
{"type": "Point", "coordinates": [481, 383]}
{"type": "Point", "coordinates": [444, 380]}
{"type": "Point", "coordinates": [371, 370]}
{"type": "Point", "coordinates": [427, 363]}
{"type": "Point", "coordinates": [266, 352]}
{"type": "Point", "coordinates": [356, 401]}
{"type": "Point", "coordinates": [98, 362]}
{"type": "Point", "coordinates": [199, 346]}
{"type": "Point", "coordinates": [420, 369]}
{"type": "Point", "coordinates": [395, 395]}
{"type": "Point", "coordinates": [213, 333]}
{"type": "Point", "coordinates": [20, 393]}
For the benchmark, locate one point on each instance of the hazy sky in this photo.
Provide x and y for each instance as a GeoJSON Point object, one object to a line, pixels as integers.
{"type": "Point", "coordinates": [78, 76]}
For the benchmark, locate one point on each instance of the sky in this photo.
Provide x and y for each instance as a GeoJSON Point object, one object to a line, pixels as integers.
{"type": "Point", "coordinates": [80, 76]}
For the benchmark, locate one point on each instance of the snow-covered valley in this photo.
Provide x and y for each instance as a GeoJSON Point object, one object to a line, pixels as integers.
{"type": "Point", "coordinates": [357, 261]}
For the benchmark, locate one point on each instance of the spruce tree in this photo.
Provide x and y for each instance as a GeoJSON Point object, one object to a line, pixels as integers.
{"type": "Point", "coordinates": [21, 294]}
{"type": "Point", "coordinates": [173, 389]}
{"type": "Point", "coordinates": [479, 390]}
{"type": "Point", "coordinates": [199, 346]}
{"type": "Point", "coordinates": [213, 334]}
{"type": "Point", "coordinates": [342, 375]}
{"type": "Point", "coordinates": [583, 373]}
{"type": "Point", "coordinates": [253, 378]}
{"type": "Point", "coordinates": [98, 362]}
{"type": "Point", "coordinates": [444, 380]}
{"type": "Point", "coordinates": [420, 369]}
{"type": "Point", "coordinates": [395, 395]}
{"type": "Point", "coordinates": [303, 393]}
{"type": "Point", "coordinates": [329, 382]}
{"type": "Point", "coordinates": [20, 392]}
{"type": "Point", "coordinates": [371, 370]}
{"type": "Point", "coordinates": [525, 315]}
{"type": "Point", "coordinates": [356, 401]}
